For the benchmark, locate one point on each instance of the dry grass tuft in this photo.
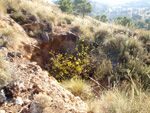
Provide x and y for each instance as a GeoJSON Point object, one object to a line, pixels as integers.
{"type": "Point", "coordinates": [10, 37]}
{"type": "Point", "coordinates": [124, 102]}
{"type": "Point", "coordinates": [2, 7]}
{"type": "Point", "coordinates": [101, 35]}
{"type": "Point", "coordinates": [78, 87]}
{"type": "Point", "coordinates": [42, 100]}
{"type": "Point", "coordinates": [6, 73]}
{"type": "Point", "coordinates": [117, 101]}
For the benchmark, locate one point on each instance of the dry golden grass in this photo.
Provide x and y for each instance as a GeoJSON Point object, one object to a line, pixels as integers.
{"type": "Point", "coordinates": [52, 14]}
{"type": "Point", "coordinates": [42, 100]}
{"type": "Point", "coordinates": [113, 100]}
{"type": "Point", "coordinates": [2, 7]}
{"type": "Point", "coordinates": [124, 102]}
{"type": "Point", "coordinates": [10, 34]}
{"type": "Point", "coordinates": [78, 87]}
{"type": "Point", "coordinates": [6, 75]}
{"type": "Point", "coordinates": [117, 101]}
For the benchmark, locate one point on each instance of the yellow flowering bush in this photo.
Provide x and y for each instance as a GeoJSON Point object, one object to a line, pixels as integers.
{"type": "Point", "coordinates": [64, 66]}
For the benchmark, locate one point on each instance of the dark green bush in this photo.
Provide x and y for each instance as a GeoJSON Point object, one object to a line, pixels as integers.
{"type": "Point", "coordinates": [19, 17]}
{"type": "Point", "coordinates": [101, 35]}
{"type": "Point", "coordinates": [134, 71]}
{"type": "Point", "coordinates": [68, 20]}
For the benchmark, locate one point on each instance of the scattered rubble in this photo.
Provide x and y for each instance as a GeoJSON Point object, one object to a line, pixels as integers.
{"type": "Point", "coordinates": [19, 101]}
{"type": "Point", "coordinates": [2, 97]}
{"type": "Point", "coordinates": [32, 80]}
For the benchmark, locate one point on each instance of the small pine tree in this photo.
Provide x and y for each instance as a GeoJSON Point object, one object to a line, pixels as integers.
{"type": "Point", "coordinates": [104, 18]}
{"type": "Point", "coordinates": [98, 17]}
{"type": "Point", "coordinates": [147, 21]}
{"type": "Point", "coordinates": [83, 7]}
{"type": "Point", "coordinates": [148, 28]}
{"type": "Point", "coordinates": [124, 21]}
{"type": "Point", "coordinates": [65, 6]}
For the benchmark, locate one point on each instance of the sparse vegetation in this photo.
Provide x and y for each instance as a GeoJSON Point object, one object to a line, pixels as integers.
{"type": "Point", "coordinates": [6, 73]}
{"type": "Point", "coordinates": [9, 37]}
{"type": "Point", "coordinates": [124, 21]}
{"type": "Point", "coordinates": [65, 6]}
{"type": "Point", "coordinates": [101, 35]}
{"type": "Point", "coordinates": [82, 7]}
{"type": "Point", "coordinates": [116, 101]}
{"type": "Point", "coordinates": [78, 87]}
{"type": "Point", "coordinates": [19, 17]}
{"type": "Point", "coordinates": [2, 7]}
{"type": "Point", "coordinates": [42, 100]}
{"type": "Point", "coordinates": [112, 58]}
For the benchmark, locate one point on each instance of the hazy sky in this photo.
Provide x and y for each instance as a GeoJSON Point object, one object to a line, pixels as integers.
{"type": "Point", "coordinates": [114, 1]}
{"type": "Point", "coordinates": [109, 1]}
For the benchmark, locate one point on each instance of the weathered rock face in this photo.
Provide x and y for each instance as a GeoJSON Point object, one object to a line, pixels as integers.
{"type": "Point", "coordinates": [48, 38]}
{"type": "Point", "coordinates": [2, 97]}
{"type": "Point", "coordinates": [36, 26]}
{"type": "Point", "coordinates": [42, 42]}
{"type": "Point", "coordinates": [11, 28]}
{"type": "Point", "coordinates": [56, 42]}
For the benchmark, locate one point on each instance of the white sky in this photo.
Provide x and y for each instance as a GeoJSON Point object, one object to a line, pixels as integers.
{"type": "Point", "coordinates": [109, 1]}
{"type": "Point", "coordinates": [114, 1]}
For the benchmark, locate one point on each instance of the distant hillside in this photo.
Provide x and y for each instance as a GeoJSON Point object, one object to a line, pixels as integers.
{"type": "Point", "coordinates": [98, 7]}
{"type": "Point", "coordinates": [137, 4]}
{"type": "Point", "coordinates": [102, 8]}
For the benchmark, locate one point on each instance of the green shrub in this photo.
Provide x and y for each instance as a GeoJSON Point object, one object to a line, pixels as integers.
{"type": "Point", "coordinates": [144, 36]}
{"type": "Point", "coordinates": [134, 71]}
{"type": "Point", "coordinates": [77, 29]}
{"type": "Point", "coordinates": [104, 70]}
{"type": "Point", "coordinates": [127, 55]}
{"type": "Point", "coordinates": [68, 20]}
{"type": "Point", "coordinates": [122, 48]}
{"type": "Point", "coordinates": [134, 47]}
{"type": "Point", "coordinates": [61, 22]}
{"type": "Point", "coordinates": [115, 45]}
{"type": "Point", "coordinates": [101, 35]}
{"type": "Point", "coordinates": [19, 17]}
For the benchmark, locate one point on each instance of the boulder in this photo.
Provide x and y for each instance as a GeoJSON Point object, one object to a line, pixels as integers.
{"type": "Point", "coordinates": [34, 108]}
{"type": "Point", "coordinates": [2, 97]}
{"type": "Point", "coordinates": [19, 101]}
{"type": "Point", "coordinates": [2, 111]}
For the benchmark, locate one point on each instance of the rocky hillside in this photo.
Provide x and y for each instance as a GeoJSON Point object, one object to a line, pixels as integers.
{"type": "Point", "coordinates": [104, 67]}
{"type": "Point", "coordinates": [28, 88]}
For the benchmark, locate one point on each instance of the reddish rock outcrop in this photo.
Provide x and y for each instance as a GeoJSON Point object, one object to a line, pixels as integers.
{"type": "Point", "coordinates": [56, 42]}
{"type": "Point", "coordinates": [49, 38]}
